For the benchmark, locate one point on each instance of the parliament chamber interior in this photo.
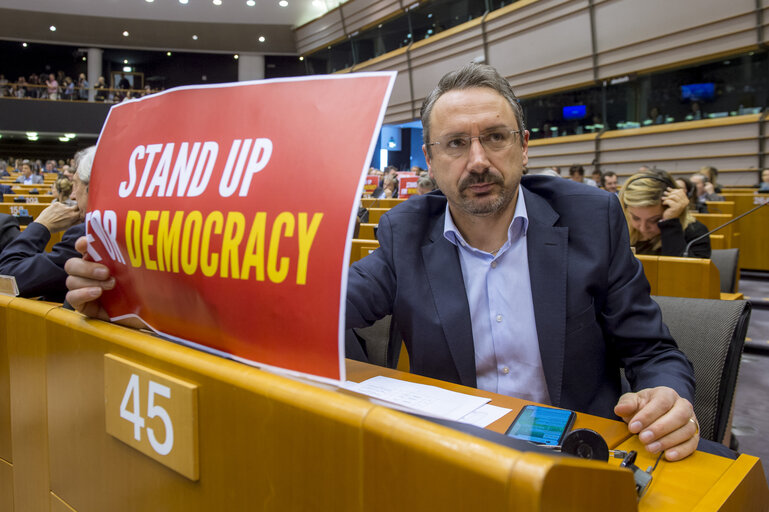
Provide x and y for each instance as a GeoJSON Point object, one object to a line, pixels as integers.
{"type": "Point", "coordinates": [196, 396]}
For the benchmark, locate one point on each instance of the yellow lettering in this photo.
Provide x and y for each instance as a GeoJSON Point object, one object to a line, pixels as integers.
{"type": "Point", "coordinates": [191, 241]}
{"type": "Point", "coordinates": [132, 226]}
{"type": "Point", "coordinates": [284, 222]}
{"type": "Point", "coordinates": [254, 254]}
{"type": "Point", "coordinates": [168, 238]}
{"type": "Point", "coordinates": [306, 236]}
{"type": "Point", "coordinates": [214, 220]}
{"type": "Point", "coordinates": [148, 240]}
{"type": "Point", "coordinates": [233, 234]}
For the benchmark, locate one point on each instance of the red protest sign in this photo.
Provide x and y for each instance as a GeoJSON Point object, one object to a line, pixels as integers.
{"type": "Point", "coordinates": [370, 185]}
{"type": "Point", "coordinates": [214, 208]}
{"type": "Point", "coordinates": [408, 186]}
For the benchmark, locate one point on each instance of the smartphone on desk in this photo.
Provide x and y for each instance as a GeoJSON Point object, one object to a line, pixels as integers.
{"type": "Point", "coordinates": [542, 425]}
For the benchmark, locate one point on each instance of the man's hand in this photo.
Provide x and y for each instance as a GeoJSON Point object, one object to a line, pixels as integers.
{"type": "Point", "coordinates": [86, 281]}
{"type": "Point", "coordinates": [663, 420]}
{"type": "Point", "coordinates": [58, 217]}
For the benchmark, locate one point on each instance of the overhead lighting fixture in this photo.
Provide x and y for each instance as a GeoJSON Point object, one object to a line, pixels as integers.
{"type": "Point", "coordinates": [301, 58]}
{"type": "Point", "coordinates": [261, 39]}
{"type": "Point", "coordinates": [24, 45]}
{"type": "Point", "coordinates": [236, 56]}
{"type": "Point", "coordinates": [31, 134]}
{"type": "Point", "coordinates": [168, 54]}
{"type": "Point", "coordinates": [126, 69]}
{"type": "Point", "coordinates": [149, 1]}
{"type": "Point", "coordinates": [283, 3]}
{"type": "Point", "coordinates": [184, 2]}
{"type": "Point", "coordinates": [217, 2]}
{"type": "Point", "coordinates": [63, 139]}
{"type": "Point", "coordinates": [70, 135]}
{"type": "Point", "coordinates": [194, 37]}
{"type": "Point", "coordinates": [52, 28]}
{"type": "Point", "coordinates": [250, 3]}
{"type": "Point", "coordinates": [85, 58]}
{"type": "Point", "coordinates": [317, 3]}
{"type": "Point", "coordinates": [125, 33]}
{"type": "Point", "coordinates": [125, 61]}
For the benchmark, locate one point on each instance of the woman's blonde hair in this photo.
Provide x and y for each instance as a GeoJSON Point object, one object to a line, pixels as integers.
{"type": "Point", "coordinates": [646, 189]}
{"type": "Point", "coordinates": [64, 187]}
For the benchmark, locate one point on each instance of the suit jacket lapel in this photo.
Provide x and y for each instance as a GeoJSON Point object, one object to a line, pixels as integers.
{"type": "Point", "coordinates": [548, 256]}
{"type": "Point", "coordinates": [444, 273]}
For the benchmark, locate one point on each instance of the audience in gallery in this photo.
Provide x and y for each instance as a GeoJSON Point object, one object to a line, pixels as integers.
{"type": "Point", "coordinates": [658, 217]}
{"type": "Point", "coordinates": [38, 273]}
{"type": "Point", "coordinates": [29, 176]}
{"type": "Point", "coordinates": [60, 86]}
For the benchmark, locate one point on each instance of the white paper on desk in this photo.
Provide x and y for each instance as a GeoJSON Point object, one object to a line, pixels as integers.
{"type": "Point", "coordinates": [484, 415]}
{"type": "Point", "coordinates": [429, 400]}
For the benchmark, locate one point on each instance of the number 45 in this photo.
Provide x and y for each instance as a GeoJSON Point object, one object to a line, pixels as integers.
{"type": "Point", "coordinates": [135, 417]}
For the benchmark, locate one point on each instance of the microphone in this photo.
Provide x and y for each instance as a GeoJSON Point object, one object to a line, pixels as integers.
{"type": "Point", "coordinates": [688, 246]}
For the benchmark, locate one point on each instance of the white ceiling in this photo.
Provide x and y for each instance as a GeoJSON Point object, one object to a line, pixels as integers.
{"type": "Point", "coordinates": [265, 12]}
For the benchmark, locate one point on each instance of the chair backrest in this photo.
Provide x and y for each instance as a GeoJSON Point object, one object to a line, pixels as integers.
{"type": "Point", "coordinates": [711, 333]}
{"type": "Point", "coordinates": [727, 262]}
{"type": "Point", "coordinates": [382, 342]}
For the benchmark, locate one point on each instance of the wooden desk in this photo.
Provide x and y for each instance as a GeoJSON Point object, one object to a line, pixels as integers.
{"type": "Point", "coordinates": [681, 277]}
{"type": "Point", "coordinates": [34, 209]}
{"type": "Point", "coordinates": [701, 480]}
{"type": "Point", "coordinates": [385, 202]}
{"type": "Point", "coordinates": [753, 229]}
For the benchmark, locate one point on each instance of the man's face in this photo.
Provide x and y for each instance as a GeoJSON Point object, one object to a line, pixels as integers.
{"type": "Point", "coordinates": [49, 166]}
{"type": "Point", "coordinates": [575, 176]}
{"type": "Point", "coordinates": [610, 182]}
{"type": "Point", "coordinates": [26, 170]}
{"type": "Point", "coordinates": [480, 182]}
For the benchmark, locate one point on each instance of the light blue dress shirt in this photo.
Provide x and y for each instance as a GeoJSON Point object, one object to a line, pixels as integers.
{"type": "Point", "coordinates": [507, 358]}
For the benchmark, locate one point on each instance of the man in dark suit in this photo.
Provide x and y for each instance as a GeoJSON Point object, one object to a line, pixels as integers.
{"type": "Point", "coordinates": [521, 286]}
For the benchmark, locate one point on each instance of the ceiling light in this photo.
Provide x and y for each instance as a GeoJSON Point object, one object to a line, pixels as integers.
{"type": "Point", "coordinates": [168, 54]}
{"type": "Point", "coordinates": [261, 39]}
{"type": "Point", "coordinates": [52, 28]}
{"type": "Point", "coordinates": [217, 2]}
{"type": "Point", "coordinates": [149, 1]}
{"type": "Point", "coordinates": [250, 3]}
{"type": "Point", "coordinates": [283, 3]}
{"type": "Point", "coordinates": [125, 33]}
{"type": "Point", "coordinates": [184, 2]}
{"type": "Point", "coordinates": [125, 61]}
{"type": "Point", "coordinates": [85, 58]}
{"type": "Point", "coordinates": [317, 3]}
{"type": "Point", "coordinates": [24, 45]}
{"type": "Point", "coordinates": [236, 56]}
{"type": "Point", "coordinates": [31, 134]}
{"type": "Point", "coordinates": [126, 69]}
{"type": "Point", "coordinates": [70, 135]}
{"type": "Point", "coordinates": [194, 37]}
{"type": "Point", "coordinates": [301, 58]}
{"type": "Point", "coordinates": [63, 139]}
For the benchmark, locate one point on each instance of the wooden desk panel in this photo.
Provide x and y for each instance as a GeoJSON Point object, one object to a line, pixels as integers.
{"type": "Point", "coordinates": [367, 231]}
{"type": "Point", "coordinates": [34, 209]}
{"type": "Point", "coordinates": [361, 249]}
{"type": "Point", "coordinates": [714, 220]}
{"type": "Point", "coordinates": [754, 229]}
{"type": "Point", "coordinates": [385, 202]}
{"type": "Point", "coordinates": [374, 214]}
{"type": "Point", "coordinates": [681, 277]}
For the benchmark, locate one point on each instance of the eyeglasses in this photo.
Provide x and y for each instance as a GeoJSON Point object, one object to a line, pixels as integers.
{"type": "Point", "coordinates": [493, 140]}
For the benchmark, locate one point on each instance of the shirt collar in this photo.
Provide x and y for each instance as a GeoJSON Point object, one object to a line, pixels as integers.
{"type": "Point", "coordinates": [517, 229]}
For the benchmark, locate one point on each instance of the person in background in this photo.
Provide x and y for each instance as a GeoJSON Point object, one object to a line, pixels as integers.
{"type": "Point", "coordinates": [704, 191]}
{"type": "Point", "coordinates": [28, 176]}
{"type": "Point", "coordinates": [82, 87]}
{"type": "Point", "coordinates": [609, 182]}
{"type": "Point", "coordinates": [658, 217]}
{"type": "Point", "coordinates": [425, 185]}
{"type": "Point", "coordinates": [101, 89]}
{"type": "Point", "coordinates": [764, 185]}
{"type": "Point", "coordinates": [712, 174]}
{"type": "Point", "coordinates": [577, 173]}
{"type": "Point", "coordinates": [685, 183]}
{"type": "Point", "coordinates": [597, 176]}
{"type": "Point", "coordinates": [40, 273]}
{"type": "Point", "coordinates": [69, 89]}
{"type": "Point", "coordinates": [52, 87]}
{"type": "Point", "coordinates": [63, 189]}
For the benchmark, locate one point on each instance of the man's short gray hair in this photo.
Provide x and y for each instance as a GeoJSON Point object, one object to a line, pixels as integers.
{"type": "Point", "coordinates": [467, 77]}
{"type": "Point", "coordinates": [83, 164]}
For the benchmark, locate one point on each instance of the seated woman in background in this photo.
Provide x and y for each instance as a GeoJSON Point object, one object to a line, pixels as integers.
{"type": "Point", "coordinates": [63, 189]}
{"type": "Point", "coordinates": [764, 185]}
{"type": "Point", "coordinates": [658, 217]}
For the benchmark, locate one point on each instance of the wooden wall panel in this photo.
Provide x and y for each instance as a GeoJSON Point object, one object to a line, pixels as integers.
{"type": "Point", "coordinates": [399, 109]}
{"type": "Point", "coordinates": [576, 149]}
{"type": "Point", "coordinates": [319, 32]}
{"type": "Point", "coordinates": [362, 13]}
{"type": "Point", "coordinates": [635, 35]}
{"type": "Point", "coordinates": [527, 46]}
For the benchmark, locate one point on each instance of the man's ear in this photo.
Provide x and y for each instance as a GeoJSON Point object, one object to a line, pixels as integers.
{"type": "Point", "coordinates": [525, 148]}
{"type": "Point", "coordinates": [428, 160]}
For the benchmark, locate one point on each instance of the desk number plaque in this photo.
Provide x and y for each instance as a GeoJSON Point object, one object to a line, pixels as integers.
{"type": "Point", "coordinates": [153, 413]}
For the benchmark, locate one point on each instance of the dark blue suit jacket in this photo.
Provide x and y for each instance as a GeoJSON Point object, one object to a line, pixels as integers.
{"type": "Point", "coordinates": [591, 299]}
{"type": "Point", "coordinates": [39, 273]}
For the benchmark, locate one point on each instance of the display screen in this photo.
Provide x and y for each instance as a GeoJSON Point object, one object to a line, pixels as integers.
{"type": "Point", "coordinates": [542, 425]}
{"type": "Point", "coordinates": [574, 112]}
{"type": "Point", "coordinates": [698, 92]}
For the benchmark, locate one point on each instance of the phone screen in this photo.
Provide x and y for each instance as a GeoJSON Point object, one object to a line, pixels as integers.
{"type": "Point", "coordinates": [541, 425]}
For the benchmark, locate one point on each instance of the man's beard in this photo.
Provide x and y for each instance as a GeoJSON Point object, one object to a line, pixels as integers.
{"type": "Point", "coordinates": [485, 205]}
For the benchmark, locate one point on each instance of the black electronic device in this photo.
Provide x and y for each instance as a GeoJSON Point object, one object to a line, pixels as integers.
{"type": "Point", "coordinates": [542, 425]}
